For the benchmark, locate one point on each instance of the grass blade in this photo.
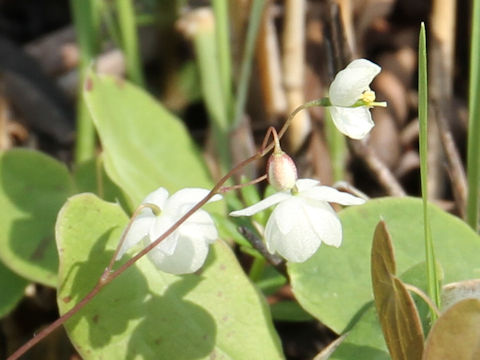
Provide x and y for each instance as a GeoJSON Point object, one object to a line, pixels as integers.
{"type": "Point", "coordinates": [128, 33]}
{"type": "Point", "coordinates": [246, 67]}
{"type": "Point", "coordinates": [87, 23]}
{"type": "Point", "coordinates": [433, 286]}
{"type": "Point", "coordinates": [222, 32]}
{"type": "Point", "coordinates": [473, 153]}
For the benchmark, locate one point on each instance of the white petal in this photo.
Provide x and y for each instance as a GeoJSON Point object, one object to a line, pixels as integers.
{"type": "Point", "coordinates": [199, 225]}
{"type": "Point", "coordinates": [161, 224]}
{"type": "Point", "coordinates": [355, 122]}
{"type": "Point", "coordinates": [305, 184]}
{"type": "Point", "coordinates": [188, 257]}
{"type": "Point", "coordinates": [158, 197]}
{"type": "Point", "coordinates": [287, 213]}
{"type": "Point", "coordinates": [348, 85]}
{"type": "Point", "coordinates": [299, 244]}
{"type": "Point", "coordinates": [327, 193]}
{"type": "Point", "coordinates": [262, 205]}
{"type": "Point", "coordinates": [138, 231]}
{"type": "Point", "coordinates": [325, 223]}
{"type": "Point", "coordinates": [183, 200]}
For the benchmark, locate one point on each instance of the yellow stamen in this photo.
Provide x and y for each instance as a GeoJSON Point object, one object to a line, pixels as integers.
{"type": "Point", "coordinates": [368, 97]}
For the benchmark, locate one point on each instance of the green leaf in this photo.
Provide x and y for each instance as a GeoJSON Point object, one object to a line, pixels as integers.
{"type": "Point", "coordinates": [289, 310]}
{"type": "Point", "coordinates": [145, 146]}
{"type": "Point", "coordinates": [334, 284]}
{"type": "Point", "coordinates": [365, 340]}
{"type": "Point", "coordinates": [13, 287]}
{"type": "Point", "coordinates": [456, 334]}
{"type": "Point", "coordinates": [398, 316]}
{"type": "Point", "coordinates": [90, 176]}
{"type": "Point", "coordinates": [149, 314]}
{"type": "Point", "coordinates": [33, 188]}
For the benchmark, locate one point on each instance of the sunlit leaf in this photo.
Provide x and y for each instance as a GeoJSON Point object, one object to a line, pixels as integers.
{"type": "Point", "coordinates": [334, 285]}
{"type": "Point", "coordinates": [148, 314]}
{"type": "Point", "coordinates": [144, 145]}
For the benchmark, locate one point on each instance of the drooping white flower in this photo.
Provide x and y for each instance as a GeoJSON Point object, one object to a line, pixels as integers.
{"type": "Point", "coordinates": [302, 220]}
{"type": "Point", "coordinates": [349, 86]}
{"type": "Point", "coordinates": [186, 249]}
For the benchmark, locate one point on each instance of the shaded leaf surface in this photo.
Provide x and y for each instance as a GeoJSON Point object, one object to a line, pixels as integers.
{"type": "Point", "coordinates": [33, 188]}
{"type": "Point", "coordinates": [149, 314]}
{"type": "Point", "coordinates": [13, 287]}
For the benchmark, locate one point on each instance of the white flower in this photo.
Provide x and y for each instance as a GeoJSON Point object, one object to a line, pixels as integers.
{"type": "Point", "coordinates": [186, 249]}
{"type": "Point", "coordinates": [349, 86]}
{"type": "Point", "coordinates": [303, 220]}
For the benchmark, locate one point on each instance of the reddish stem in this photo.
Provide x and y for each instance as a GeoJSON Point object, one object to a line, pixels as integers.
{"type": "Point", "coordinates": [107, 276]}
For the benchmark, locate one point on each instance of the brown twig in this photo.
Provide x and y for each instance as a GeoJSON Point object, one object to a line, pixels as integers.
{"type": "Point", "coordinates": [377, 167]}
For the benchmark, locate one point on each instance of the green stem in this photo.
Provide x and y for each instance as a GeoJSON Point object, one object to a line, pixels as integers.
{"type": "Point", "coordinates": [473, 153]}
{"type": "Point", "coordinates": [337, 147]}
{"type": "Point", "coordinates": [246, 67]}
{"type": "Point", "coordinates": [222, 32]}
{"type": "Point", "coordinates": [256, 271]}
{"type": "Point", "coordinates": [128, 32]}
{"type": "Point", "coordinates": [87, 23]}
{"type": "Point", "coordinates": [205, 46]}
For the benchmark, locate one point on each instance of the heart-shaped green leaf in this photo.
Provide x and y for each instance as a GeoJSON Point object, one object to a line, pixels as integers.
{"type": "Point", "coordinates": [144, 145]}
{"type": "Point", "coordinates": [148, 314]}
{"type": "Point", "coordinates": [335, 284]}
{"type": "Point", "coordinates": [456, 334]}
{"type": "Point", "coordinates": [396, 310]}
{"type": "Point", "coordinates": [33, 188]}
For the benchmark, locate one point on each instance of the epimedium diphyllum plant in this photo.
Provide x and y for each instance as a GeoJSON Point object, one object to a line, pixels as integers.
{"type": "Point", "coordinates": [176, 233]}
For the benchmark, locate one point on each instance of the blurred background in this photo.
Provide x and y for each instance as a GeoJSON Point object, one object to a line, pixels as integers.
{"type": "Point", "coordinates": [241, 66]}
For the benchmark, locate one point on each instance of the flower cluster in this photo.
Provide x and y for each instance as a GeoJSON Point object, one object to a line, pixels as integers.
{"type": "Point", "coordinates": [302, 218]}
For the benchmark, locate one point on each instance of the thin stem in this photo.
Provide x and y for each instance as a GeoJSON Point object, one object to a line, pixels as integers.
{"type": "Point", "coordinates": [257, 268]}
{"type": "Point", "coordinates": [239, 186]}
{"type": "Point", "coordinates": [128, 32]}
{"type": "Point", "coordinates": [424, 297]}
{"type": "Point", "coordinates": [108, 276]}
{"type": "Point", "coordinates": [433, 287]}
{"type": "Point", "coordinates": [155, 209]}
{"type": "Point", "coordinates": [86, 22]}
{"type": "Point", "coordinates": [99, 176]}
{"type": "Point", "coordinates": [246, 67]}
{"type": "Point", "coordinates": [222, 32]}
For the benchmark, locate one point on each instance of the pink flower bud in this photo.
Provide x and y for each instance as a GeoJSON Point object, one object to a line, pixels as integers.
{"type": "Point", "coordinates": [281, 171]}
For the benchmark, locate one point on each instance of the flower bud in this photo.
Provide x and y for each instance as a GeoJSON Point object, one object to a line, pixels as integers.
{"type": "Point", "coordinates": [281, 171]}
